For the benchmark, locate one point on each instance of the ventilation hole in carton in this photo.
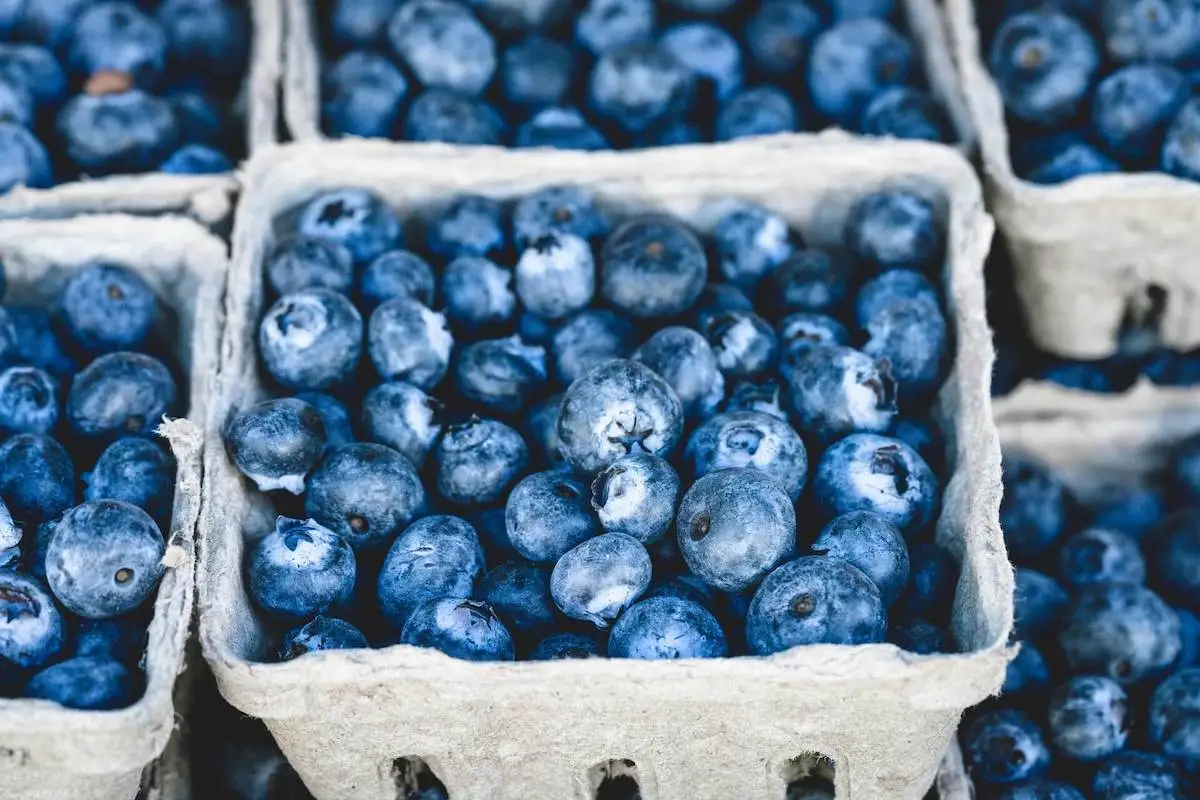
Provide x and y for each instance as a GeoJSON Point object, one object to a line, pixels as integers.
{"type": "Point", "coordinates": [616, 779]}
{"type": "Point", "coordinates": [414, 780]}
{"type": "Point", "coordinates": [809, 777]}
{"type": "Point", "coordinates": [1143, 317]}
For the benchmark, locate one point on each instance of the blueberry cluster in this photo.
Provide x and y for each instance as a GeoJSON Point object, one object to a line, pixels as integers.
{"type": "Point", "coordinates": [613, 436]}
{"type": "Point", "coordinates": [620, 73]}
{"type": "Point", "coordinates": [1097, 87]}
{"type": "Point", "coordinates": [1103, 699]}
{"type": "Point", "coordinates": [102, 87]}
{"type": "Point", "coordinates": [77, 581]}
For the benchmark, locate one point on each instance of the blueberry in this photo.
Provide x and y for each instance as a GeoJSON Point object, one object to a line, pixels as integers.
{"type": "Point", "coordinates": [311, 339]}
{"type": "Point", "coordinates": [1132, 108]}
{"type": "Point", "coordinates": [10, 532]}
{"type": "Point", "coordinates": [605, 25]}
{"type": "Point", "coordinates": [837, 390]}
{"type": "Point", "coordinates": [588, 339]}
{"type": "Point", "coordinates": [1044, 62]}
{"type": "Point", "coordinates": [1066, 158]}
{"type": "Point", "coordinates": [198, 116]}
{"type": "Point", "coordinates": [361, 23]}
{"type": "Point", "coordinates": [122, 639]}
{"type": "Point", "coordinates": [196, 159]}
{"type": "Point", "coordinates": [1175, 715]}
{"type": "Point", "coordinates": [669, 134]}
{"type": "Point", "coordinates": [637, 495]}
{"type": "Point", "coordinates": [919, 636]}
{"type": "Point", "coordinates": [543, 426]}
{"type": "Point", "coordinates": [921, 435]}
{"type": "Point", "coordinates": [276, 442]}
{"type": "Point", "coordinates": [1004, 747]}
{"type": "Point", "coordinates": [460, 628]}
{"type": "Point", "coordinates": [105, 558]}
{"type": "Point", "coordinates": [519, 592]}
{"type": "Point", "coordinates": [760, 111]}
{"type": "Point", "coordinates": [1124, 774]}
{"type": "Point", "coordinates": [866, 472]}
{"type": "Point", "coordinates": [871, 543]}
{"type": "Point", "coordinates": [1124, 632]}
{"type": "Point", "coordinates": [814, 600]}
{"type": "Point", "coordinates": [34, 69]}
{"type": "Point", "coordinates": [16, 104]}
{"type": "Point", "coordinates": [501, 375]}
{"type": "Point", "coordinates": [299, 570]}
{"type": "Point", "coordinates": [745, 344]}
{"type": "Point", "coordinates": [117, 37]}
{"type": "Point", "coordinates": [638, 86]}
{"type": "Point", "coordinates": [106, 307]}
{"type": "Point", "coordinates": [932, 581]}
{"type": "Point", "coordinates": [753, 440]}
{"type": "Point", "coordinates": [320, 634]}
{"type": "Point", "coordinates": [751, 242]}
{"type": "Point", "coordinates": [28, 401]}
{"type": "Point", "coordinates": [24, 161]}
{"type": "Point", "coordinates": [547, 514]}
{"type": "Point", "coordinates": [36, 342]}
{"type": "Point", "coordinates": [409, 342]}
{"type": "Point", "coordinates": [1043, 790]}
{"type": "Point", "coordinates": [1189, 636]}
{"type": "Point", "coordinates": [443, 45]}
{"type": "Point", "coordinates": [617, 408]}
{"type": "Point", "coordinates": [734, 526]}
{"type": "Point", "coordinates": [1099, 556]}
{"type": "Point", "coordinates": [334, 416]}
{"type": "Point", "coordinates": [556, 275]}
{"type": "Point", "coordinates": [1180, 154]}
{"type": "Point", "coordinates": [87, 683]}
{"type": "Point", "coordinates": [557, 209]}
{"type": "Point", "coordinates": [113, 133]}
{"type": "Point", "coordinates": [1033, 509]}
{"type": "Point", "coordinates": [1185, 468]}
{"type": "Point", "coordinates": [1027, 673]}
{"type": "Point", "coordinates": [1039, 603]}
{"type": "Point", "coordinates": [562, 128]}
{"type": "Point", "coordinates": [304, 262]}
{"type": "Point", "coordinates": [137, 471]}
{"type": "Point", "coordinates": [895, 229]}
{"type": "Point", "coordinates": [1176, 554]}
{"type": "Point", "coordinates": [437, 556]}
{"type": "Point", "coordinates": [905, 113]}
{"type": "Point", "coordinates": [709, 52]}
{"type": "Point", "coordinates": [37, 478]}
{"type": "Point", "coordinates": [1150, 30]}
{"type": "Point", "coordinates": [1088, 717]}
{"type": "Point", "coordinates": [809, 280]}
{"type": "Point", "coordinates": [853, 61]}
{"type": "Point", "coordinates": [536, 72]}
{"type": "Point", "coordinates": [599, 578]}
{"type": "Point", "coordinates": [441, 116]}
{"type": "Point", "coordinates": [559, 646]}
{"type": "Point", "coordinates": [365, 492]}
{"type": "Point", "coordinates": [892, 286]}
{"type": "Point", "coordinates": [779, 35]}
{"type": "Point", "coordinates": [362, 93]}
{"type": "Point", "coordinates": [523, 15]}
{"type": "Point", "coordinates": [716, 298]}
{"type": "Point", "coordinates": [357, 219]}
{"type": "Point", "coordinates": [31, 626]}
{"type": "Point", "coordinates": [684, 358]}
{"type": "Point", "coordinates": [763, 398]}
{"type": "Point", "coordinates": [397, 273]}
{"type": "Point", "coordinates": [911, 336]}
{"type": "Point", "coordinates": [852, 9]}
{"type": "Point", "coordinates": [667, 628]}
{"type": "Point", "coordinates": [119, 394]}
{"type": "Point", "coordinates": [802, 330]}
{"type": "Point", "coordinates": [477, 461]}
{"type": "Point", "coordinates": [402, 417]}
{"type": "Point", "coordinates": [470, 225]}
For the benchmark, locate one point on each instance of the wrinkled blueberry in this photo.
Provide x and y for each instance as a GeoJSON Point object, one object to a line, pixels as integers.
{"type": "Point", "coordinates": [667, 628]}
{"type": "Point", "coordinates": [460, 628]}
{"type": "Point", "coordinates": [320, 634]}
{"type": "Point", "coordinates": [866, 472]}
{"type": "Point", "coordinates": [599, 578]}
{"type": "Point", "coordinates": [437, 556]}
{"type": "Point", "coordinates": [519, 593]}
{"type": "Point", "coordinates": [637, 494]}
{"type": "Point", "coordinates": [838, 390]}
{"type": "Point", "coordinates": [477, 461]}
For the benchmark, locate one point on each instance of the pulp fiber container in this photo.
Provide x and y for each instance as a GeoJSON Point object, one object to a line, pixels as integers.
{"type": "Point", "coordinates": [1041, 399]}
{"type": "Point", "coordinates": [1094, 454]}
{"type": "Point", "coordinates": [357, 724]}
{"type": "Point", "coordinates": [302, 58]}
{"type": "Point", "coordinates": [1093, 253]}
{"type": "Point", "coordinates": [206, 198]}
{"type": "Point", "coordinates": [50, 752]}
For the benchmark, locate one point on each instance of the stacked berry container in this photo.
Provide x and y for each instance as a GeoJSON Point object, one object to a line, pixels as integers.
{"type": "Point", "coordinates": [1086, 143]}
{"type": "Point", "coordinates": [616, 74]}
{"type": "Point", "coordinates": [130, 107]}
{"type": "Point", "coordinates": [367, 723]}
{"type": "Point", "coordinates": [95, 740]}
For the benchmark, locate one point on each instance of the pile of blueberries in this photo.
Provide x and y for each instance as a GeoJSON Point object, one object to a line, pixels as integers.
{"type": "Point", "coordinates": [620, 73]}
{"type": "Point", "coordinates": [613, 437]}
{"type": "Point", "coordinates": [1097, 87]}
{"type": "Point", "coordinates": [1103, 699]}
{"type": "Point", "coordinates": [82, 385]}
{"type": "Point", "coordinates": [101, 87]}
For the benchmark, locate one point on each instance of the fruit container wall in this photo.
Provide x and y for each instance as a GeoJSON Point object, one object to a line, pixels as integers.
{"type": "Point", "coordinates": [350, 721]}
{"type": "Point", "coordinates": [54, 753]}
{"type": "Point", "coordinates": [206, 198]}
{"type": "Point", "coordinates": [1090, 252]}
{"type": "Point", "coordinates": [1092, 453]}
{"type": "Point", "coordinates": [1034, 399]}
{"type": "Point", "coordinates": [301, 83]}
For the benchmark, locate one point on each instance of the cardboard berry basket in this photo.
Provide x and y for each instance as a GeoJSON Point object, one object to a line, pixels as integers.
{"type": "Point", "coordinates": [302, 58]}
{"type": "Point", "coordinates": [352, 722]}
{"type": "Point", "coordinates": [1090, 253]}
{"type": "Point", "coordinates": [49, 752]}
{"type": "Point", "coordinates": [1041, 399]}
{"type": "Point", "coordinates": [206, 198]}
